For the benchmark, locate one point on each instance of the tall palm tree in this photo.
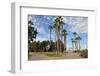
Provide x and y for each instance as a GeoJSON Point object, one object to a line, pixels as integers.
{"type": "Point", "coordinates": [72, 43]}
{"type": "Point", "coordinates": [75, 41]}
{"type": "Point", "coordinates": [57, 25]}
{"type": "Point", "coordinates": [50, 27]}
{"type": "Point", "coordinates": [64, 33]}
{"type": "Point", "coordinates": [78, 40]}
{"type": "Point", "coordinates": [61, 45]}
{"type": "Point", "coordinates": [55, 30]}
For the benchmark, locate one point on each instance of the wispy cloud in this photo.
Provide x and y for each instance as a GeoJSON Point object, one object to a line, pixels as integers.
{"type": "Point", "coordinates": [76, 24]}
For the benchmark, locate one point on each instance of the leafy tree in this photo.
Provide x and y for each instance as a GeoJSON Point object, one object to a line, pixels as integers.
{"type": "Point", "coordinates": [32, 33]}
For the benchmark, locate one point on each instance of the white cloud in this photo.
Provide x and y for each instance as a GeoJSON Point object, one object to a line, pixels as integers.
{"type": "Point", "coordinates": [77, 24]}
{"type": "Point", "coordinates": [41, 38]}
{"type": "Point", "coordinates": [65, 19]}
{"type": "Point", "coordinates": [81, 27]}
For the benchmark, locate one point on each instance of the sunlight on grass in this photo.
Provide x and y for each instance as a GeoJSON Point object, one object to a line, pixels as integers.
{"type": "Point", "coordinates": [50, 54]}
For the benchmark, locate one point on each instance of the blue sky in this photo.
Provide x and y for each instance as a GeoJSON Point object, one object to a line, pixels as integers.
{"type": "Point", "coordinates": [72, 24]}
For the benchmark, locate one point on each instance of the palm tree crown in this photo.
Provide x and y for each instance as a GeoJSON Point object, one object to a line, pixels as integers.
{"type": "Point", "coordinates": [64, 32]}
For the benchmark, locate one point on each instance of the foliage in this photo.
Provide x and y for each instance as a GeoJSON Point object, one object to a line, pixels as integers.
{"type": "Point", "coordinates": [77, 51]}
{"type": "Point", "coordinates": [84, 53]}
{"type": "Point", "coordinates": [64, 32]}
{"type": "Point", "coordinates": [43, 46]}
{"type": "Point", "coordinates": [32, 33]}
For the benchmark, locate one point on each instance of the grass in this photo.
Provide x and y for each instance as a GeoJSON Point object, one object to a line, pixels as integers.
{"type": "Point", "coordinates": [54, 54]}
{"type": "Point", "coordinates": [29, 56]}
{"type": "Point", "coordinates": [50, 54]}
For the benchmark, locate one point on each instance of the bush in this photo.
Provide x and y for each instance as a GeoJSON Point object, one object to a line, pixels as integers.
{"type": "Point", "coordinates": [76, 51]}
{"type": "Point", "coordinates": [84, 53]}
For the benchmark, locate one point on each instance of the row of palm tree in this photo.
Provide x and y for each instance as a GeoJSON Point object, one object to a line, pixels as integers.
{"type": "Point", "coordinates": [60, 34]}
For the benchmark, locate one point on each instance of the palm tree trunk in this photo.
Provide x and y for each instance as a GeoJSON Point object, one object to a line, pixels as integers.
{"type": "Point", "coordinates": [76, 45]}
{"type": "Point", "coordinates": [72, 44]}
{"type": "Point", "coordinates": [64, 42]}
{"type": "Point", "coordinates": [61, 39]}
{"type": "Point", "coordinates": [50, 39]}
{"type": "Point", "coordinates": [79, 44]}
{"type": "Point", "coordinates": [57, 41]}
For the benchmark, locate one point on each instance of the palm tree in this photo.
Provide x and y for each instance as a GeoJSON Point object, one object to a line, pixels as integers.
{"type": "Point", "coordinates": [75, 41]}
{"type": "Point", "coordinates": [58, 22]}
{"type": "Point", "coordinates": [50, 27]}
{"type": "Point", "coordinates": [75, 34]}
{"type": "Point", "coordinates": [61, 45]}
{"type": "Point", "coordinates": [64, 33]}
{"type": "Point", "coordinates": [72, 43]}
{"type": "Point", "coordinates": [55, 30]}
{"type": "Point", "coordinates": [78, 40]}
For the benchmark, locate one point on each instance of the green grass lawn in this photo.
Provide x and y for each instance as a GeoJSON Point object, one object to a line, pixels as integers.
{"type": "Point", "coordinates": [50, 54]}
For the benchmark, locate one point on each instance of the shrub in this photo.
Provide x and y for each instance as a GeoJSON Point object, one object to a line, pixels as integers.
{"type": "Point", "coordinates": [84, 53]}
